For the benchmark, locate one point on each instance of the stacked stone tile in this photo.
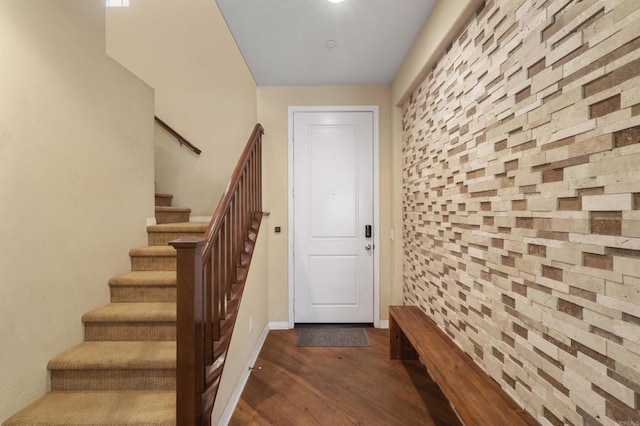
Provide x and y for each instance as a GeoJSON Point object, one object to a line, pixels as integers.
{"type": "Point", "coordinates": [522, 203]}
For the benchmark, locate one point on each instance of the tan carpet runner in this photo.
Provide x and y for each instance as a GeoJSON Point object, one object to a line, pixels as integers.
{"type": "Point", "coordinates": [100, 408]}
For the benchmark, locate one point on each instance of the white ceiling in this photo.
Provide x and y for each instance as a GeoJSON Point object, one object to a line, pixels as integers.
{"type": "Point", "coordinates": [283, 41]}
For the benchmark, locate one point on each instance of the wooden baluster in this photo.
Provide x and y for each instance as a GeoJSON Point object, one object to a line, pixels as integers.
{"type": "Point", "coordinates": [260, 175]}
{"type": "Point", "coordinates": [260, 172]}
{"type": "Point", "coordinates": [248, 188]}
{"type": "Point", "coordinates": [225, 253]}
{"type": "Point", "coordinates": [220, 284]}
{"type": "Point", "coordinates": [238, 229]}
{"type": "Point", "coordinates": [236, 232]}
{"type": "Point", "coordinates": [255, 180]}
{"type": "Point", "coordinates": [190, 331]}
{"type": "Point", "coordinates": [248, 201]}
{"type": "Point", "coordinates": [257, 194]}
{"type": "Point", "coordinates": [210, 331]}
{"type": "Point", "coordinates": [252, 181]}
{"type": "Point", "coordinates": [255, 177]}
{"type": "Point", "coordinates": [215, 294]}
{"type": "Point", "coordinates": [247, 198]}
{"type": "Point", "coordinates": [247, 178]}
{"type": "Point", "coordinates": [247, 206]}
{"type": "Point", "coordinates": [243, 207]}
{"type": "Point", "coordinates": [231, 273]}
{"type": "Point", "coordinates": [223, 278]}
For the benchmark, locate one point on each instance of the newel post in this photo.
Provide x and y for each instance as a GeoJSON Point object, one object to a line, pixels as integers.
{"type": "Point", "coordinates": [190, 331]}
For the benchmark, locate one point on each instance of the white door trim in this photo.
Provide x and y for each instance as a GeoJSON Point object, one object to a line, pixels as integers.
{"type": "Point", "coordinates": [376, 201]}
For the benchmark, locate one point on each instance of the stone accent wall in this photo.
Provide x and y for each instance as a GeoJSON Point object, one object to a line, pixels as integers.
{"type": "Point", "coordinates": [522, 203]}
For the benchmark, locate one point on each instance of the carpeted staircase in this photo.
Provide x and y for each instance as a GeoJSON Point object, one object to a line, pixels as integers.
{"type": "Point", "coordinates": [124, 371]}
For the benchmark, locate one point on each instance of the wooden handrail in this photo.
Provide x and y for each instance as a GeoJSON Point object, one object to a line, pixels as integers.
{"type": "Point", "coordinates": [216, 219]}
{"type": "Point", "coordinates": [181, 139]}
{"type": "Point", "coordinates": [211, 274]}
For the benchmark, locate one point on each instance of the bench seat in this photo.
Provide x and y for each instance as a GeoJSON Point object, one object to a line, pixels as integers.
{"type": "Point", "coordinates": [474, 395]}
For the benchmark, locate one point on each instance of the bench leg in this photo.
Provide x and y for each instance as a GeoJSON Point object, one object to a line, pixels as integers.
{"type": "Point", "coordinates": [399, 345]}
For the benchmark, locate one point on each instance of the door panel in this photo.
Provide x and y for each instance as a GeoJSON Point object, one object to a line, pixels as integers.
{"type": "Point", "coordinates": [331, 281]}
{"type": "Point", "coordinates": [333, 182]}
{"type": "Point", "coordinates": [333, 201]}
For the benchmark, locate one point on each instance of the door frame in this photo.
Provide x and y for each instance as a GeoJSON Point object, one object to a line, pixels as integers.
{"type": "Point", "coordinates": [374, 109]}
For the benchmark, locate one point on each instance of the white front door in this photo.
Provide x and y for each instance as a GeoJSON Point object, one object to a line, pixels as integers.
{"type": "Point", "coordinates": [333, 217]}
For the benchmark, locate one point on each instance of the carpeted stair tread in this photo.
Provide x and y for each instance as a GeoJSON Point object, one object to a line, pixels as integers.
{"type": "Point", "coordinates": [179, 227]}
{"type": "Point", "coordinates": [163, 234]}
{"type": "Point", "coordinates": [156, 278]}
{"type": "Point", "coordinates": [163, 194]}
{"type": "Point", "coordinates": [153, 258]}
{"type": "Point", "coordinates": [117, 355]}
{"type": "Point", "coordinates": [150, 408]}
{"type": "Point", "coordinates": [167, 214]}
{"type": "Point", "coordinates": [163, 199]}
{"type": "Point", "coordinates": [157, 251]}
{"type": "Point", "coordinates": [168, 209]}
{"type": "Point", "coordinates": [132, 312]}
{"type": "Point", "coordinates": [144, 286]}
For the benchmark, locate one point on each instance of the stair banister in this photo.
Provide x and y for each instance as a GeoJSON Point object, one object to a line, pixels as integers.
{"type": "Point", "coordinates": [211, 274]}
{"type": "Point", "coordinates": [254, 144]}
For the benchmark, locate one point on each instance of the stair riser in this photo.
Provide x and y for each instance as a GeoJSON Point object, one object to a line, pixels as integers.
{"type": "Point", "coordinates": [171, 217]}
{"type": "Point", "coordinates": [124, 294]}
{"type": "Point", "coordinates": [163, 201]}
{"type": "Point", "coordinates": [153, 263]}
{"type": "Point", "coordinates": [88, 380]}
{"type": "Point", "coordinates": [163, 238]}
{"type": "Point", "coordinates": [129, 331]}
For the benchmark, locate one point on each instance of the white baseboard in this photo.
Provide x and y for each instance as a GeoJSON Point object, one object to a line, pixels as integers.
{"type": "Point", "coordinates": [279, 325]}
{"type": "Point", "coordinates": [237, 393]}
{"type": "Point", "coordinates": [284, 325]}
{"type": "Point", "coordinates": [200, 219]}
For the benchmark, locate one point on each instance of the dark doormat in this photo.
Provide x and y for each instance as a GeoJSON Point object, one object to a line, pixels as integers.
{"type": "Point", "coordinates": [323, 336]}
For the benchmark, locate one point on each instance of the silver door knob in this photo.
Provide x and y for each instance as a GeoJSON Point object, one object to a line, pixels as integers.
{"type": "Point", "coordinates": [367, 247]}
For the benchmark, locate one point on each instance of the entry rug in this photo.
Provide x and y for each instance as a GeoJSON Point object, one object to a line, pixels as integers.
{"type": "Point", "coordinates": [321, 336]}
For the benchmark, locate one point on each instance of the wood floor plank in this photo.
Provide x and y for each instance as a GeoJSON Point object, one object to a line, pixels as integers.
{"type": "Point", "coordinates": [339, 386]}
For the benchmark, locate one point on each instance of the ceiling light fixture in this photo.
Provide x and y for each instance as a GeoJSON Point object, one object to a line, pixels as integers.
{"type": "Point", "coordinates": [117, 3]}
{"type": "Point", "coordinates": [331, 44]}
{"type": "Point", "coordinates": [336, 1]}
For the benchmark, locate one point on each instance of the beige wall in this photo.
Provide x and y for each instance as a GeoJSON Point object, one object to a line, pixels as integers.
{"type": "Point", "coordinates": [76, 182]}
{"type": "Point", "coordinates": [243, 343]}
{"type": "Point", "coordinates": [273, 103]}
{"type": "Point", "coordinates": [204, 90]}
{"type": "Point", "coordinates": [522, 203]}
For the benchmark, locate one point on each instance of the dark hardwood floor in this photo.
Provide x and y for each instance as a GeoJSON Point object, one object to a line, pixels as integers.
{"type": "Point", "coordinates": [338, 386]}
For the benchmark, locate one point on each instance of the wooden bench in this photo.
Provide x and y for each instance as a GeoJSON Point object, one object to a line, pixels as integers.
{"type": "Point", "coordinates": [473, 394]}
